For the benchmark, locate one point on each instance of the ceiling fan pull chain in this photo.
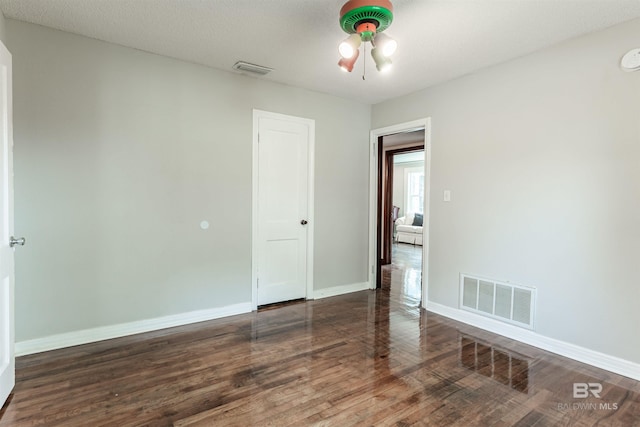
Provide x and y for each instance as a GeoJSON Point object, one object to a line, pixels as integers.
{"type": "Point", "coordinates": [364, 60]}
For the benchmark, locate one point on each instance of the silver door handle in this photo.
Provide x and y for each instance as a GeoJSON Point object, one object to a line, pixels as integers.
{"type": "Point", "coordinates": [13, 241]}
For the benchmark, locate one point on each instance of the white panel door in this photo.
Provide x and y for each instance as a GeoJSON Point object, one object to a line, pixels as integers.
{"type": "Point", "coordinates": [283, 176]}
{"type": "Point", "coordinates": [7, 357]}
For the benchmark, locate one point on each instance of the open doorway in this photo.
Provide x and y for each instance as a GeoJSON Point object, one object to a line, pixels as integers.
{"type": "Point", "coordinates": [400, 197]}
{"type": "Point", "coordinates": [400, 215]}
{"type": "Point", "coordinates": [401, 190]}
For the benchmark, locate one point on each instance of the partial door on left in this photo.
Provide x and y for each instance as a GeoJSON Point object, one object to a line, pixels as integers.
{"type": "Point", "coordinates": [7, 355]}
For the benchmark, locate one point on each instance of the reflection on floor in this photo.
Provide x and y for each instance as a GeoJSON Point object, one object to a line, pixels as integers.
{"type": "Point", "coordinates": [404, 272]}
{"type": "Point", "coordinates": [365, 358]}
{"type": "Point", "coordinates": [494, 362]}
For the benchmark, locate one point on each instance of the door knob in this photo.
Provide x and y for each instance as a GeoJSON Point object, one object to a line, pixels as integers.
{"type": "Point", "coordinates": [304, 222]}
{"type": "Point", "coordinates": [13, 241]}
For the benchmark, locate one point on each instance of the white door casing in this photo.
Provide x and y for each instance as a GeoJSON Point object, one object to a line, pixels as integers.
{"type": "Point", "coordinates": [373, 197]}
{"type": "Point", "coordinates": [282, 201]}
{"type": "Point", "coordinates": [7, 352]}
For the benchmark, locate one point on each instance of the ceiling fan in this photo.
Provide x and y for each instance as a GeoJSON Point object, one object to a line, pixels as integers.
{"type": "Point", "coordinates": [365, 20]}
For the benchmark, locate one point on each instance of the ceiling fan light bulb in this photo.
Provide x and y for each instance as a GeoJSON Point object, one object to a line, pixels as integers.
{"type": "Point", "coordinates": [346, 64]}
{"type": "Point", "coordinates": [390, 48]}
{"type": "Point", "coordinates": [345, 49]}
{"type": "Point", "coordinates": [382, 62]}
{"type": "Point", "coordinates": [349, 46]}
{"type": "Point", "coordinates": [387, 45]}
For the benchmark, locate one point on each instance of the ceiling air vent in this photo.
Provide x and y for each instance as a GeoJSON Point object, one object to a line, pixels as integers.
{"type": "Point", "coordinates": [252, 68]}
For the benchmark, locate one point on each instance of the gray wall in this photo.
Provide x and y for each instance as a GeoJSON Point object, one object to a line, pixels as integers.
{"type": "Point", "coordinates": [119, 154]}
{"type": "Point", "coordinates": [542, 155]}
{"type": "Point", "coordinates": [2, 28]}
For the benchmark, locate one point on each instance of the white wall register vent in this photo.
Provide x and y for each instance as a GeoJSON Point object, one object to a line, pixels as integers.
{"type": "Point", "coordinates": [251, 68]}
{"type": "Point", "coordinates": [507, 302]}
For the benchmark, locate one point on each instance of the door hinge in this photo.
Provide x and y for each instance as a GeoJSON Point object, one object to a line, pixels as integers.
{"type": "Point", "coordinates": [258, 138]}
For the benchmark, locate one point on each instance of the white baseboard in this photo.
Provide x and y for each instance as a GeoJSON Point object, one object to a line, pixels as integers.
{"type": "Point", "coordinates": [85, 336]}
{"type": "Point", "coordinates": [572, 351]}
{"type": "Point", "coordinates": [340, 290]}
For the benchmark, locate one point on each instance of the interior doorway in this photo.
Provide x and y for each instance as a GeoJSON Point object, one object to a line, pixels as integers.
{"type": "Point", "coordinates": [400, 216]}
{"type": "Point", "coordinates": [401, 191]}
{"type": "Point", "coordinates": [282, 214]}
{"type": "Point", "coordinates": [407, 143]}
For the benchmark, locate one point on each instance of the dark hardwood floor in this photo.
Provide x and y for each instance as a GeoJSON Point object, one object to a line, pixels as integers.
{"type": "Point", "coordinates": [366, 358]}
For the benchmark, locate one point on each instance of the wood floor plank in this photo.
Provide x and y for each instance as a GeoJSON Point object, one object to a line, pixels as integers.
{"type": "Point", "coordinates": [367, 358]}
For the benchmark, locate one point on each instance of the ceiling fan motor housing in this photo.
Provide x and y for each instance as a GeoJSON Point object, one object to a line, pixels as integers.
{"type": "Point", "coordinates": [366, 17]}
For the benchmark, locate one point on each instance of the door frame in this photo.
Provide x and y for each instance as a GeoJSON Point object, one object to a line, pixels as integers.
{"type": "Point", "coordinates": [255, 244]}
{"type": "Point", "coordinates": [374, 135]}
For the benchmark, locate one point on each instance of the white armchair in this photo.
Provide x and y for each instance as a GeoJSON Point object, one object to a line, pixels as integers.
{"type": "Point", "coordinates": [406, 232]}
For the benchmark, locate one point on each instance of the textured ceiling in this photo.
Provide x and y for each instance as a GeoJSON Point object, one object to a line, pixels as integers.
{"type": "Point", "coordinates": [438, 39]}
